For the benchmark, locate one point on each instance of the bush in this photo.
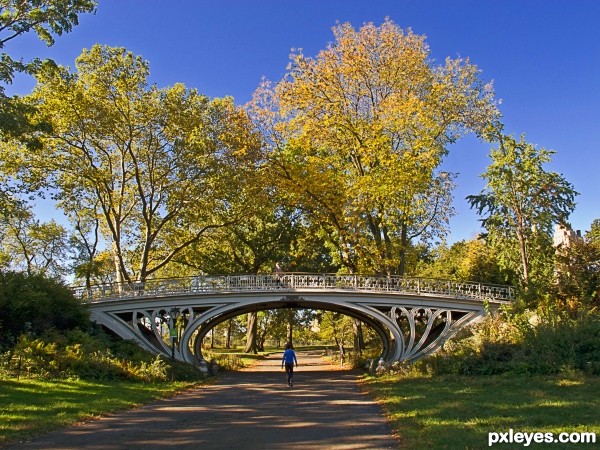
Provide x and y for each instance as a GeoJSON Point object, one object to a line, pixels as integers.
{"type": "Point", "coordinates": [525, 342]}
{"type": "Point", "coordinates": [96, 356]}
{"type": "Point", "coordinates": [45, 332]}
{"type": "Point", "coordinates": [34, 304]}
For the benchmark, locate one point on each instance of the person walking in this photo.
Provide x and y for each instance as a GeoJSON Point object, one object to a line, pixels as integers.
{"type": "Point", "coordinates": [342, 354]}
{"type": "Point", "coordinates": [278, 274]}
{"type": "Point", "coordinates": [288, 359]}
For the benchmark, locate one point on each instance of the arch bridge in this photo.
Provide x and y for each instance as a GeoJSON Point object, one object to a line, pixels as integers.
{"type": "Point", "coordinates": [412, 316]}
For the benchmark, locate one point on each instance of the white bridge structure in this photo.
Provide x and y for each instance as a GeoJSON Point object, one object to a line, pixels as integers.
{"type": "Point", "coordinates": [413, 316]}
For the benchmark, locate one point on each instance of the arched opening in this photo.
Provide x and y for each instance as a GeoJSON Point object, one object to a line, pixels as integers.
{"type": "Point", "coordinates": [198, 331]}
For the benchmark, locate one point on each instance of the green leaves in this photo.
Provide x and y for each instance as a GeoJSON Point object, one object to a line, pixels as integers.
{"type": "Point", "coordinates": [522, 202]}
{"type": "Point", "coordinates": [159, 166]}
{"type": "Point", "coordinates": [44, 17]}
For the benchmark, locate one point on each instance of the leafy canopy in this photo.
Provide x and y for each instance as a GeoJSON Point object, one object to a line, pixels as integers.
{"type": "Point", "coordinates": [157, 167]}
{"type": "Point", "coordinates": [356, 136]}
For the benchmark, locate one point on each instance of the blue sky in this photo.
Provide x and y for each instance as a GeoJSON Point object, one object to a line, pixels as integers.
{"type": "Point", "coordinates": [543, 56]}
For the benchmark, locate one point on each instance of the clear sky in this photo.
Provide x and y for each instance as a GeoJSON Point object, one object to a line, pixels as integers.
{"type": "Point", "coordinates": [543, 56]}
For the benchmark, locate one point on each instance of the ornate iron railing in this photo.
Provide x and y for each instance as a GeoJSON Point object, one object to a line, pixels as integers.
{"type": "Point", "coordinates": [297, 281]}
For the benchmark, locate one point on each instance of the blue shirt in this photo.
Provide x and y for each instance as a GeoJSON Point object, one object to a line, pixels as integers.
{"type": "Point", "coordinates": [289, 356]}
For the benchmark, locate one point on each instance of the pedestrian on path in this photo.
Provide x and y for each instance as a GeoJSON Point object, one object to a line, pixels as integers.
{"type": "Point", "coordinates": [289, 358]}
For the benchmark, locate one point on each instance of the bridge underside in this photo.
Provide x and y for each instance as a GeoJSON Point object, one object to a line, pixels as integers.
{"type": "Point", "coordinates": [410, 326]}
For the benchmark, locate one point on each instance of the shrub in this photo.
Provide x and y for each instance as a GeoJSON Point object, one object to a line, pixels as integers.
{"type": "Point", "coordinates": [76, 354]}
{"type": "Point", "coordinates": [33, 304]}
{"type": "Point", "coordinates": [524, 342]}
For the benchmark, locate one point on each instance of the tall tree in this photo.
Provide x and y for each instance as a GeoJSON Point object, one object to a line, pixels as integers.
{"type": "Point", "coordinates": [521, 203]}
{"type": "Point", "coordinates": [357, 134]}
{"type": "Point", "coordinates": [469, 260]}
{"type": "Point", "coordinates": [335, 327]}
{"type": "Point", "coordinates": [160, 165]}
{"type": "Point", "coordinates": [46, 18]}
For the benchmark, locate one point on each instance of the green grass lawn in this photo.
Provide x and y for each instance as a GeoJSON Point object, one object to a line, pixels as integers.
{"type": "Point", "coordinates": [442, 412]}
{"type": "Point", "coordinates": [455, 412]}
{"type": "Point", "coordinates": [30, 407]}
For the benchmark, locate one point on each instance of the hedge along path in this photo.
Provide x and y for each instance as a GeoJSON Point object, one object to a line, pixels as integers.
{"type": "Point", "coordinates": [250, 409]}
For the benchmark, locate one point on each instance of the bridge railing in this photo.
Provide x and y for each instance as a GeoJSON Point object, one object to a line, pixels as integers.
{"type": "Point", "coordinates": [296, 281]}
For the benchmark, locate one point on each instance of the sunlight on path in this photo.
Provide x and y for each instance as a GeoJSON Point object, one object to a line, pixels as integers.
{"type": "Point", "coordinates": [309, 360]}
{"type": "Point", "coordinates": [251, 409]}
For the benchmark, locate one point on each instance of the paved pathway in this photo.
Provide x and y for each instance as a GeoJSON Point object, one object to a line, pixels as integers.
{"type": "Point", "coordinates": [252, 409]}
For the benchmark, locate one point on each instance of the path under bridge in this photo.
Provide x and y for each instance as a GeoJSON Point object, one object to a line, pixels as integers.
{"type": "Point", "coordinates": [413, 316]}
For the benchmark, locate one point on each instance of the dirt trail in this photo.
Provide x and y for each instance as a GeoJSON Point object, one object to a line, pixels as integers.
{"type": "Point", "coordinates": [250, 409]}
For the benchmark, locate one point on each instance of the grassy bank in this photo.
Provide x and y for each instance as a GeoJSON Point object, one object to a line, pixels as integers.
{"type": "Point", "coordinates": [32, 406]}
{"type": "Point", "coordinates": [29, 407]}
{"type": "Point", "coordinates": [458, 412]}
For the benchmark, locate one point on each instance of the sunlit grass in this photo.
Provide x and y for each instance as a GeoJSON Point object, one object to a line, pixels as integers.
{"type": "Point", "coordinates": [450, 412]}
{"type": "Point", "coordinates": [456, 412]}
{"type": "Point", "coordinates": [29, 407]}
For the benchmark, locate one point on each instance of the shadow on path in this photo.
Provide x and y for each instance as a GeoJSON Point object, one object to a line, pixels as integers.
{"type": "Point", "coordinates": [252, 409]}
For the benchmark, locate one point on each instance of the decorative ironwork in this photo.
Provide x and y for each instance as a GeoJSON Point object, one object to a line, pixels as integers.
{"type": "Point", "coordinates": [297, 281]}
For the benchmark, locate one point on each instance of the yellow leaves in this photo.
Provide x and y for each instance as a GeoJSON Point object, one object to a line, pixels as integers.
{"type": "Point", "coordinates": [365, 125]}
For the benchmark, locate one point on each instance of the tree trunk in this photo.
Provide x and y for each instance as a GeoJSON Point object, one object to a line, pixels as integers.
{"type": "Point", "coordinates": [261, 342]}
{"type": "Point", "coordinates": [251, 334]}
{"type": "Point", "coordinates": [524, 258]}
{"type": "Point", "coordinates": [290, 329]}
{"type": "Point", "coordinates": [119, 275]}
{"type": "Point", "coordinates": [229, 329]}
{"type": "Point", "coordinates": [403, 249]}
{"type": "Point", "coordinates": [359, 339]}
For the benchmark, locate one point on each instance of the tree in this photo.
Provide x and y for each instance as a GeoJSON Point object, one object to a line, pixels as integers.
{"type": "Point", "coordinates": [335, 327]}
{"type": "Point", "coordinates": [17, 17]}
{"type": "Point", "coordinates": [578, 270]}
{"type": "Point", "coordinates": [31, 245]}
{"type": "Point", "coordinates": [85, 242]}
{"type": "Point", "coordinates": [159, 166]}
{"type": "Point", "coordinates": [45, 18]}
{"type": "Point", "coordinates": [35, 304]}
{"type": "Point", "coordinates": [522, 202]}
{"type": "Point", "coordinates": [251, 245]}
{"type": "Point", "coordinates": [251, 333]}
{"type": "Point", "coordinates": [594, 232]}
{"type": "Point", "coordinates": [356, 135]}
{"type": "Point", "coordinates": [467, 260]}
